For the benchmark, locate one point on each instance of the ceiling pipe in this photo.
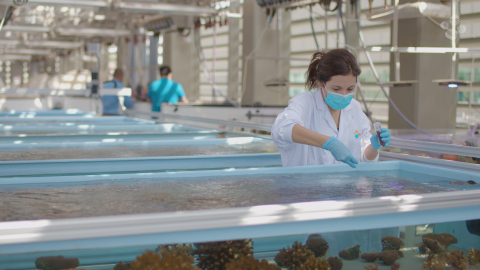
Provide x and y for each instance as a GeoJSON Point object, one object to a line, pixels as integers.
{"type": "Point", "coordinates": [26, 28]}
{"type": "Point", "coordinates": [71, 3]}
{"type": "Point", "coordinates": [27, 51]}
{"type": "Point", "coordinates": [92, 32]}
{"type": "Point", "coordinates": [165, 8]}
{"type": "Point", "coordinates": [10, 57]}
{"type": "Point", "coordinates": [9, 42]}
{"type": "Point", "coordinates": [54, 44]}
{"type": "Point", "coordinates": [154, 8]}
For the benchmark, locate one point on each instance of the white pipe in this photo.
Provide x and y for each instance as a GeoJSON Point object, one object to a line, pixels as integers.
{"type": "Point", "coordinates": [56, 44]}
{"type": "Point", "coordinates": [167, 8]}
{"type": "Point", "coordinates": [70, 3]}
{"type": "Point", "coordinates": [27, 51]}
{"type": "Point", "coordinates": [92, 32]}
{"type": "Point", "coordinates": [26, 28]}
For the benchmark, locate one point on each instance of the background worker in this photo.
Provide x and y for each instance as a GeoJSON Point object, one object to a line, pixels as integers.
{"type": "Point", "coordinates": [165, 90]}
{"type": "Point", "coordinates": [111, 102]}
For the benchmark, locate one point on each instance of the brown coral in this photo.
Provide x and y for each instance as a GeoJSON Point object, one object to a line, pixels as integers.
{"type": "Point", "coordinates": [474, 256]}
{"type": "Point", "coordinates": [389, 257]}
{"type": "Point", "coordinates": [56, 262]}
{"type": "Point", "coordinates": [251, 264]}
{"type": "Point", "coordinates": [369, 267]}
{"type": "Point", "coordinates": [437, 243]}
{"type": "Point", "coordinates": [434, 262]}
{"type": "Point", "coordinates": [163, 261]}
{"type": "Point", "coordinates": [456, 260]}
{"type": "Point", "coordinates": [395, 266]}
{"type": "Point", "coordinates": [335, 263]}
{"type": "Point", "coordinates": [186, 248]}
{"type": "Point", "coordinates": [350, 253]}
{"type": "Point", "coordinates": [392, 243]}
{"type": "Point", "coordinates": [293, 257]}
{"type": "Point", "coordinates": [370, 257]}
{"type": "Point", "coordinates": [314, 264]}
{"type": "Point", "coordinates": [215, 255]}
{"type": "Point", "coordinates": [317, 245]}
{"type": "Point", "coordinates": [122, 266]}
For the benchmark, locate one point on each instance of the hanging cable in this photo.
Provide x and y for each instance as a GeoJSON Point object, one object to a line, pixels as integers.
{"type": "Point", "coordinates": [313, 29]}
{"type": "Point", "coordinates": [204, 67]}
{"type": "Point", "coordinates": [378, 79]}
{"type": "Point", "coordinates": [5, 16]}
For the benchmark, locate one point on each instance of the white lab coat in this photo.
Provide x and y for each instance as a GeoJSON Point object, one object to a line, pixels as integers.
{"type": "Point", "coordinates": [310, 111]}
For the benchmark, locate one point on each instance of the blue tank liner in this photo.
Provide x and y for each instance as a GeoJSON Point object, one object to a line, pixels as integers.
{"type": "Point", "coordinates": [113, 137]}
{"type": "Point", "coordinates": [91, 234]}
{"type": "Point", "coordinates": [239, 141]}
{"type": "Point", "coordinates": [94, 128]}
{"type": "Point", "coordinates": [76, 119]}
{"type": "Point", "coordinates": [69, 112]}
{"type": "Point", "coordinates": [135, 165]}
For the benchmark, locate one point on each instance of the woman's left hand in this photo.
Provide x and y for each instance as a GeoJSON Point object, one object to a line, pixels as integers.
{"type": "Point", "coordinates": [385, 136]}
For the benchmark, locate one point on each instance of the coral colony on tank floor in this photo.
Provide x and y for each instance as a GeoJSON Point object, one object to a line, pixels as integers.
{"type": "Point", "coordinates": [313, 255]}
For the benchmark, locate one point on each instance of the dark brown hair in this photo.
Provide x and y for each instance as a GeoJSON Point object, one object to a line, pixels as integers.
{"type": "Point", "coordinates": [325, 65]}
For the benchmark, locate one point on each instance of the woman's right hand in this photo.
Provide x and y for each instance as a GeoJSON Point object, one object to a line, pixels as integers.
{"type": "Point", "coordinates": [340, 152]}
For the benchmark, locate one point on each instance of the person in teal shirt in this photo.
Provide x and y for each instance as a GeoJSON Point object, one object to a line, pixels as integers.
{"type": "Point", "coordinates": [111, 102]}
{"type": "Point", "coordinates": [165, 90]}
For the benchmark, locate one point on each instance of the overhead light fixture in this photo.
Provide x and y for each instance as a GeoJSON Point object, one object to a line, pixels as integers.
{"type": "Point", "coordinates": [165, 8]}
{"type": "Point", "coordinates": [452, 83]}
{"type": "Point", "coordinates": [27, 51]}
{"type": "Point", "coordinates": [27, 28]}
{"type": "Point", "coordinates": [99, 17]}
{"type": "Point", "coordinates": [92, 32]}
{"type": "Point", "coordinates": [54, 44]}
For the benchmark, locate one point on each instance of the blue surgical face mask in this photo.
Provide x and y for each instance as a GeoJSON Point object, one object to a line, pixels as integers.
{"type": "Point", "coordinates": [338, 101]}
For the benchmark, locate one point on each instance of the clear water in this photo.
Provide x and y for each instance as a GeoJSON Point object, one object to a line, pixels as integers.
{"type": "Point", "coordinates": [146, 195]}
{"type": "Point", "coordinates": [268, 248]}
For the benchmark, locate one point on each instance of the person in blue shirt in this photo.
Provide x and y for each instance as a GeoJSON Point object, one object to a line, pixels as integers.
{"type": "Point", "coordinates": [111, 102]}
{"type": "Point", "coordinates": [165, 90]}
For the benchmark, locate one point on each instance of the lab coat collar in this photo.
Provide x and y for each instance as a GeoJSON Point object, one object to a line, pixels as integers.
{"type": "Point", "coordinates": [321, 105]}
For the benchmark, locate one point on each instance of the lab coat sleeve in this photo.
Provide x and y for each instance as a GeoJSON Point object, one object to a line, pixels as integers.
{"type": "Point", "coordinates": [283, 125]}
{"type": "Point", "coordinates": [366, 138]}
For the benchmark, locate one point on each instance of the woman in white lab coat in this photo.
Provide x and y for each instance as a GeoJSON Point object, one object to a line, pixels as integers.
{"type": "Point", "coordinates": [327, 126]}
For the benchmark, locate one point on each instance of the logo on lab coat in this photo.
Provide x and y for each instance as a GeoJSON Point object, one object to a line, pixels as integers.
{"type": "Point", "coordinates": [357, 134]}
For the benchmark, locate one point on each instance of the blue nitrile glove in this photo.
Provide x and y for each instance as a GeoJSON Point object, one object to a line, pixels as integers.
{"type": "Point", "coordinates": [385, 136]}
{"type": "Point", "coordinates": [340, 152]}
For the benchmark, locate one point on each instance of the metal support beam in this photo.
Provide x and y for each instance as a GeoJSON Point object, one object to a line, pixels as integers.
{"type": "Point", "coordinates": [71, 3]}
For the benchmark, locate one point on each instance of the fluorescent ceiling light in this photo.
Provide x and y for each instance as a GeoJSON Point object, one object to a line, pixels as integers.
{"type": "Point", "coordinates": [54, 44]}
{"type": "Point", "coordinates": [92, 32]}
{"type": "Point", "coordinates": [26, 28]}
{"type": "Point", "coordinates": [99, 17]}
{"type": "Point", "coordinates": [452, 83]}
